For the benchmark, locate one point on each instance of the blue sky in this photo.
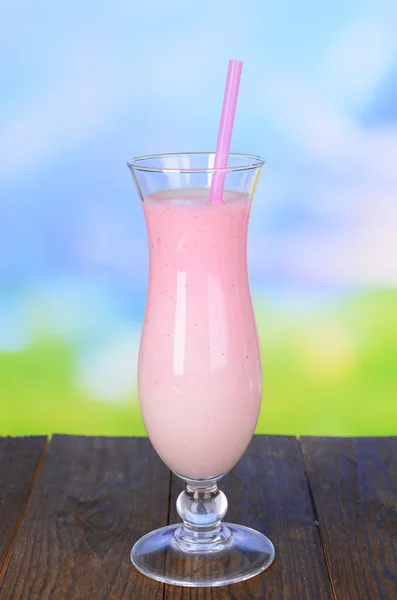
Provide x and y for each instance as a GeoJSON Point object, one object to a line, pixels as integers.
{"type": "Point", "coordinates": [87, 85]}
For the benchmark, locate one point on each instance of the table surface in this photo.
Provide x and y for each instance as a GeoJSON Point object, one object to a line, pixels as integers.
{"type": "Point", "coordinates": [71, 509]}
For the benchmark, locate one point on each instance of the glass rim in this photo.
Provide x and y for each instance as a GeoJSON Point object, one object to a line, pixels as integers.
{"type": "Point", "coordinates": [252, 162]}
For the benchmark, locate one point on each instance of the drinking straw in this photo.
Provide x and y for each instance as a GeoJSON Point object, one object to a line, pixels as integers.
{"type": "Point", "coordinates": [225, 130]}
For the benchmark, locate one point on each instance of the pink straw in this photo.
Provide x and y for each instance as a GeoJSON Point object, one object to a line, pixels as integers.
{"type": "Point", "coordinates": [225, 130]}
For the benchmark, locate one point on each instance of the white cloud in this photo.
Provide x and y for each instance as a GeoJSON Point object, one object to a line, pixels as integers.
{"type": "Point", "coordinates": [325, 134]}
{"type": "Point", "coordinates": [365, 256]}
{"type": "Point", "coordinates": [89, 83]}
{"type": "Point", "coordinates": [358, 58]}
{"type": "Point", "coordinates": [76, 101]}
{"type": "Point", "coordinates": [109, 371]}
{"type": "Point", "coordinates": [105, 240]}
{"type": "Point", "coordinates": [356, 181]}
{"type": "Point", "coordinates": [15, 331]}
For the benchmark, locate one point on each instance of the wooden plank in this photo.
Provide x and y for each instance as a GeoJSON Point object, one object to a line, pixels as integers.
{"type": "Point", "coordinates": [268, 491]}
{"type": "Point", "coordinates": [93, 498]}
{"type": "Point", "coordinates": [19, 459]}
{"type": "Point", "coordinates": [354, 485]}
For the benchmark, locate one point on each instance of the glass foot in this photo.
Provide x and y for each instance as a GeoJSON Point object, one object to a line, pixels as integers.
{"type": "Point", "coordinates": [237, 554]}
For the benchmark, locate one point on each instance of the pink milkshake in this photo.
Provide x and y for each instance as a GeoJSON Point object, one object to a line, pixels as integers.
{"type": "Point", "coordinates": [199, 365]}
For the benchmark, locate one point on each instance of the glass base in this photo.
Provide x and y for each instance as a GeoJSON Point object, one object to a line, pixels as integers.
{"type": "Point", "coordinates": [239, 554]}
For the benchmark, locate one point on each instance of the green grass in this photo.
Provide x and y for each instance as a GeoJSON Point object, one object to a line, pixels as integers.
{"type": "Point", "coordinates": [38, 397]}
{"type": "Point", "coordinates": [327, 372]}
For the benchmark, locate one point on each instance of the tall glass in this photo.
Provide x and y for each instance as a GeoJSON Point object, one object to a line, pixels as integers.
{"type": "Point", "coordinates": [199, 375]}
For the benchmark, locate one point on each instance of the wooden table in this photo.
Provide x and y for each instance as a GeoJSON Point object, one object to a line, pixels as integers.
{"type": "Point", "coordinates": [71, 509]}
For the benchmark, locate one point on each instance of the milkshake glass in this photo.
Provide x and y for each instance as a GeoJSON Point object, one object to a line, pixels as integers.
{"type": "Point", "coordinates": [199, 374]}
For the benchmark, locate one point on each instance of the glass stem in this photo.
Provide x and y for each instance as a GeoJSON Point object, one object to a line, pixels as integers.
{"type": "Point", "coordinates": [202, 508]}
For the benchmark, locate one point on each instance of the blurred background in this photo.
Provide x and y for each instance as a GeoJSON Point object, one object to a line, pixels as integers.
{"type": "Point", "coordinates": [87, 85]}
